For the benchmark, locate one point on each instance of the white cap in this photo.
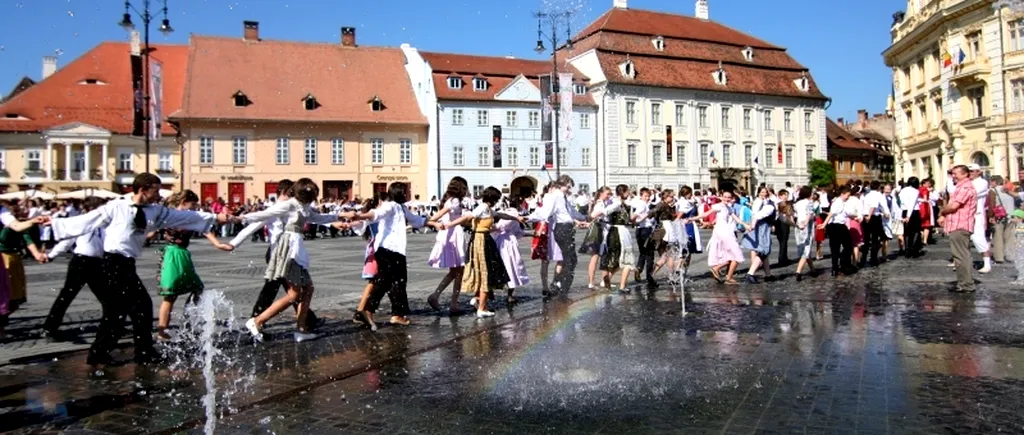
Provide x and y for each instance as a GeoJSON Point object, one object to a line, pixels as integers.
{"type": "Point", "coordinates": [973, 167]}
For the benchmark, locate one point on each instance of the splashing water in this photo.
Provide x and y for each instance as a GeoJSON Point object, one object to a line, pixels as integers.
{"type": "Point", "coordinates": [1018, 254]}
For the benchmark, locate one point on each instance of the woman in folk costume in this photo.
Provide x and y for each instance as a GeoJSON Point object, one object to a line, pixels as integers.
{"type": "Point", "coordinates": [484, 270]}
{"type": "Point", "coordinates": [449, 250]}
{"type": "Point", "coordinates": [596, 235]}
{"type": "Point", "coordinates": [539, 247]}
{"type": "Point", "coordinates": [805, 210]}
{"type": "Point", "coordinates": [759, 240]}
{"type": "Point", "coordinates": [893, 224]}
{"type": "Point", "coordinates": [13, 238]}
{"type": "Point", "coordinates": [289, 259]}
{"type": "Point", "coordinates": [855, 210]}
{"type": "Point", "coordinates": [178, 275]}
{"type": "Point", "coordinates": [723, 249]}
{"type": "Point", "coordinates": [925, 206]}
{"type": "Point", "coordinates": [619, 250]}
{"type": "Point", "coordinates": [368, 230]}
{"type": "Point", "coordinates": [506, 235]}
{"type": "Point", "coordinates": [686, 206]}
{"type": "Point", "coordinates": [665, 214]}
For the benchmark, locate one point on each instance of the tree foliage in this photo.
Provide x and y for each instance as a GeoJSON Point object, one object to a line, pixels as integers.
{"type": "Point", "coordinates": [821, 173]}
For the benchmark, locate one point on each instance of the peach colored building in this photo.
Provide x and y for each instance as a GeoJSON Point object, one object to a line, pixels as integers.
{"type": "Point", "coordinates": [257, 111]}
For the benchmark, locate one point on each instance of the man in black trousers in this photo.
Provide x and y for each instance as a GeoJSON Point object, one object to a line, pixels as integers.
{"type": "Point", "coordinates": [783, 222]}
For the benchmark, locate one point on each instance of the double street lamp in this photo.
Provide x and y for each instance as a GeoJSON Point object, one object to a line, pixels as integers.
{"type": "Point", "coordinates": [554, 19]}
{"type": "Point", "coordinates": [166, 29]}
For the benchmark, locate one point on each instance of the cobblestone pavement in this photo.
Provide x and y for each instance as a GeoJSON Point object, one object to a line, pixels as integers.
{"type": "Point", "coordinates": [890, 350]}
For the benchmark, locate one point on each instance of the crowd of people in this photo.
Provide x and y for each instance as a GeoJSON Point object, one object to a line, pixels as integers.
{"type": "Point", "coordinates": [635, 234]}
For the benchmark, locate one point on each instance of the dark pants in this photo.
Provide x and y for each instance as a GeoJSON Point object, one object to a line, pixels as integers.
{"type": "Point", "coordinates": [268, 294]}
{"type": "Point", "coordinates": [782, 233]}
{"type": "Point", "coordinates": [392, 277]}
{"type": "Point", "coordinates": [645, 262]}
{"type": "Point", "coordinates": [912, 234]}
{"type": "Point", "coordinates": [874, 236]}
{"type": "Point", "coordinates": [82, 270]}
{"type": "Point", "coordinates": [841, 245]}
{"type": "Point", "coordinates": [124, 296]}
{"type": "Point", "coordinates": [565, 238]}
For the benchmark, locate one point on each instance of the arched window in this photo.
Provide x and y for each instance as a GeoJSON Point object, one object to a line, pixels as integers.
{"type": "Point", "coordinates": [980, 159]}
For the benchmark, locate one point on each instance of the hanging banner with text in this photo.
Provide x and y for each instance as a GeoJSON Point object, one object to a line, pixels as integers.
{"type": "Point", "coordinates": [138, 114]}
{"type": "Point", "coordinates": [546, 123]}
{"type": "Point", "coordinates": [496, 144]}
{"type": "Point", "coordinates": [156, 98]}
{"type": "Point", "coordinates": [668, 143]}
{"type": "Point", "coordinates": [565, 100]}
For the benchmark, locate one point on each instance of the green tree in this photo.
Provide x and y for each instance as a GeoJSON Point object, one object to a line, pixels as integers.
{"type": "Point", "coordinates": [821, 172]}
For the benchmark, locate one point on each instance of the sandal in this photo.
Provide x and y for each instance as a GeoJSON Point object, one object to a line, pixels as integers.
{"type": "Point", "coordinates": [717, 275]}
{"type": "Point", "coordinates": [731, 281]}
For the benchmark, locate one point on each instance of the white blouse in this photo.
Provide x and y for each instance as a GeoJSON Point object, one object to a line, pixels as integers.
{"type": "Point", "coordinates": [116, 219]}
{"type": "Point", "coordinates": [391, 231]}
{"type": "Point", "coordinates": [288, 214]}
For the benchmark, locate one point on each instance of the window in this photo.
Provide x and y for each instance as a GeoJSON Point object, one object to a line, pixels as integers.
{"type": "Point", "coordinates": [655, 113]}
{"type": "Point", "coordinates": [767, 119]}
{"type": "Point", "coordinates": [163, 162]}
{"type": "Point", "coordinates": [937, 116]}
{"type": "Point", "coordinates": [455, 82]}
{"type": "Point", "coordinates": [579, 89]}
{"type": "Point", "coordinates": [657, 148]}
{"type": "Point", "coordinates": [922, 116]}
{"type": "Point", "coordinates": [478, 191]}
{"type": "Point", "coordinates": [205, 150]}
{"type": "Point", "coordinates": [977, 99]}
{"type": "Point", "coordinates": [3, 160]}
{"type": "Point", "coordinates": [563, 156]}
{"type": "Point", "coordinates": [584, 121]}
{"type": "Point", "coordinates": [703, 155]}
{"type": "Point", "coordinates": [534, 157]}
{"type": "Point", "coordinates": [584, 187]}
{"type": "Point", "coordinates": [680, 154]}
{"type": "Point", "coordinates": [376, 104]}
{"type": "Point", "coordinates": [405, 151]}
{"type": "Point", "coordinates": [680, 115]}
{"type": "Point", "coordinates": [920, 71]}
{"type": "Point", "coordinates": [659, 43]}
{"type": "Point", "coordinates": [282, 151]}
{"type": "Point", "coordinates": [309, 103]}
{"type": "Point", "coordinates": [702, 116]}
{"type": "Point", "coordinates": [481, 118]}
{"type": "Point", "coordinates": [585, 157]}
{"type": "Point", "coordinates": [807, 122]}
{"type": "Point", "coordinates": [376, 151]}
{"type": "Point", "coordinates": [769, 156]}
{"type": "Point", "coordinates": [974, 45]}
{"type": "Point", "coordinates": [337, 152]}
{"type": "Point", "coordinates": [510, 118]}
{"type": "Point", "coordinates": [725, 117]}
{"type": "Point", "coordinates": [789, 157]}
{"type": "Point", "coordinates": [1018, 95]}
{"type": "Point", "coordinates": [631, 112]}
{"type": "Point", "coordinates": [456, 116]}
{"type": "Point", "coordinates": [241, 100]}
{"type": "Point", "coordinates": [809, 156]}
{"type": "Point", "coordinates": [239, 146]}
{"type": "Point", "coordinates": [908, 124]}
{"type": "Point", "coordinates": [748, 54]}
{"type": "Point", "coordinates": [310, 151]}
{"type": "Point", "coordinates": [726, 155]}
{"type": "Point", "coordinates": [479, 84]}
{"type": "Point", "coordinates": [458, 155]}
{"type": "Point", "coordinates": [512, 155]}
{"type": "Point", "coordinates": [483, 154]}
{"type": "Point", "coordinates": [534, 119]}
{"type": "Point", "coordinates": [125, 161]}
{"type": "Point", "coordinates": [748, 156]}
{"type": "Point", "coordinates": [787, 120]}
{"type": "Point", "coordinates": [746, 119]}
{"type": "Point", "coordinates": [1016, 35]}
{"type": "Point", "coordinates": [631, 154]}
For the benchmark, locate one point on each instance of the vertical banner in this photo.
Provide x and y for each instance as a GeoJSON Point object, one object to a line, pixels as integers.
{"type": "Point", "coordinates": [546, 120]}
{"type": "Point", "coordinates": [668, 143]}
{"type": "Point", "coordinates": [156, 98]}
{"type": "Point", "coordinates": [138, 116]}
{"type": "Point", "coordinates": [779, 145]}
{"type": "Point", "coordinates": [565, 100]}
{"type": "Point", "coordinates": [496, 144]}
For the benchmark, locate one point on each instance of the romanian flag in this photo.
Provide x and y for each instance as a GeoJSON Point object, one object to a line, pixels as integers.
{"type": "Point", "coordinates": [947, 59]}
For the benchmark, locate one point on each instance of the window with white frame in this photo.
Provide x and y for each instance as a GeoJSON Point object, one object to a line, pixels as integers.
{"type": "Point", "coordinates": [584, 188]}
{"type": "Point", "coordinates": [205, 150]}
{"type": "Point", "coordinates": [534, 119]}
{"type": "Point", "coordinates": [458, 155]}
{"type": "Point", "coordinates": [769, 155]}
{"type": "Point", "coordinates": [680, 154]}
{"type": "Point", "coordinates": [239, 150]}
{"type": "Point", "coordinates": [748, 155]}
{"type": "Point", "coordinates": [585, 157]}
{"type": "Point", "coordinates": [456, 116]}
{"type": "Point", "coordinates": [704, 155]}
{"type": "Point", "coordinates": [657, 148]}
{"type": "Point", "coordinates": [922, 116]}
{"type": "Point", "coordinates": [974, 45]}
{"type": "Point", "coordinates": [937, 111]}
{"type": "Point", "coordinates": [655, 113]}
{"type": "Point", "coordinates": [726, 155]}
{"type": "Point", "coordinates": [309, 151]}
{"type": "Point", "coordinates": [702, 116]}
{"type": "Point", "coordinates": [510, 118]}
{"type": "Point", "coordinates": [479, 84]}
{"type": "Point", "coordinates": [809, 155]}
{"type": "Point", "coordinates": [584, 121]}
{"type": "Point", "coordinates": [478, 191]}
{"type": "Point", "coordinates": [534, 157]}
{"type": "Point", "coordinates": [787, 120]}
{"type": "Point", "coordinates": [747, 122]}
{"type": "Point", "coordinates": [977, 98]}
{"type": "Point", "coordinates": [125, 161]}
{"type": "Point", "coordinates": [563, 156]}
{"type": "Point", "coordinates": [483, 155]}
{"type": "Point", "coordinates": [579, 89]}
{"type": "Point", "coordinates": [1018, 95]}
{"type": "Point", "coordinates": [282, 151]}
{"type": "Point", "coordinates": [455, 82]}
{"type": "Point", "coordinates": [680, 115]}
{"type": "Point", "coordinates": [405, 151]}
{"type": "Point", "coordinates": [337, 152]}
{"type": "Point", "coordinates": [725, 117]}
{"type": "Point", "coordinates": [3, 160]}
{"type": "Point", "coordinates": [808, 125]}
{"type": "Point", "coordinates": [1016, 35]}
{"type": "Point", "coordinates": [376, 151]}
{"type": "Point", "coordinates": [481, 118]}
{"type": "Point", "coordinates": [512, 156]}
{"type": "Point", "coordinates": [163, 161]}
{"type": "Point", "coordinates": [631, 112]}
{"type": "Point", "coordinates": [768, 119]}
{"type": "Point", "coordinates": [631, 154]}
{"type": "Point", "coordinates": [789, 157]}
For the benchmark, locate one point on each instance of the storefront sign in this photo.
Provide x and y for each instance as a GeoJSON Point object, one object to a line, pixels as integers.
{"type": "Point", "coordinates": [237, 178]}
{"type": "Point", "coordinates": [392, 178]}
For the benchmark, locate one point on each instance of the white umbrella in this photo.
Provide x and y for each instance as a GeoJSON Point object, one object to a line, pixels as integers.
{"type": "Point", "coordinates": [27, 194]}
{"type": "Point", "coordinates": [164, 193]}
{"type": "Point", "coordinates": [85, 193]}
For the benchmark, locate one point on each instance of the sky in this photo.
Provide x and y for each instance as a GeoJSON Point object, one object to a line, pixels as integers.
{"type": "Point", "coordinates": [839, 40]}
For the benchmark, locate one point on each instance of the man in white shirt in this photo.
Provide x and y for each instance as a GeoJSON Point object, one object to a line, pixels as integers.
{"type": "Point", "coordinates": [85, 267]}
{"type": "Point", "coordinates": [641, 206]}
{"type": "Point", "coordinates": [978, 236]}
{"type": "Point", "coordinates": [562, 218]}
{"type": "Point", "coordinates": [908, 201]}
{"type": "Point", "coordinates": [875, 210]}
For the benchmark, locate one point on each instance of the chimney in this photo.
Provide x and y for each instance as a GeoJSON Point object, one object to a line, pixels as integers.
{"type": "Point", "coordinates": [348, 36]}
{"type": "Point", "coordinates": [251, 30]}
{"type": "Point", "coordinates": [862, 116]}
{"type": "Point", "coordinates": [701, 10]}
{"type": "Point", "coordinates": [49, 66]}
{"type": "Point", "coordinates": [840, 122]}
{"type": "Point", "coordinates": [619, 4]}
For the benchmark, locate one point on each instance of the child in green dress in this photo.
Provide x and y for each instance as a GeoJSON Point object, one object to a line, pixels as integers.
{"type": "Point", "coordinates": [177, 274]}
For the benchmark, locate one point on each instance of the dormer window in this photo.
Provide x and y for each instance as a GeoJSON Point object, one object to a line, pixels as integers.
{"type": "Point", "coordinates": [14, 117]}
{"type": "Point", "coordinates": [376, 104]}
{"type": "Point", "coordinates": [721, 78]}
{"type": "Point", "coordinates": [628, 69]}
{"type": "Point", "coordinates": [579, 89]}
{"type": "Point", "coordinates": [309, 102]}
{"type": "Point", "coordinates": [92, 82]}
{"type": "Point", "coordinates": [455, 82]}
{"type": "Point", "coordinates": [748, 54]}
{"type": "Point", "coordinates": [803, 83]}
{"type": "Point", "coordinates": [479, 84]}
{"type": "Point", "coordinates": [659, 43]}
{"type": "Point", "coordinates": [241, 100]}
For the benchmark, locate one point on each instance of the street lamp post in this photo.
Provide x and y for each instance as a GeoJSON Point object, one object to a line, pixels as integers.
{"type": "Point", "coordinates": [165, 28]}
{"type": "Point", "coordinates": [554, 18]}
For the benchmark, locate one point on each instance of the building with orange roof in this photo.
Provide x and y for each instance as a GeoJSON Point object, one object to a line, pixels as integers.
{"type": "Point", "coordinates": [855, 157]}
{"type": "Point", "coordinates": [256, 111]}
{"type": "Point", "coordinates": [688, 101]}
{"type": "Point", "coordinates": [73, 129]}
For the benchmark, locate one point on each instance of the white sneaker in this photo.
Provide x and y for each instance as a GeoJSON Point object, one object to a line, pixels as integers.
{"type": "Point", "coordinates": [484, 314]}
{"type": "Point", "coordinates": [257, 334]}
{"type": "Point", "coordinates": [473, 301]}
{"type": "Point", "coordinates": [304, 336]}
{"type": "Point", "coordinates": [951, 264]}
{"type": "Point", "coordinates": [985, 269]}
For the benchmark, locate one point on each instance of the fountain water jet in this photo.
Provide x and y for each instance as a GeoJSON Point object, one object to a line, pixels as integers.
{"type": "Point", "coordinates": [1018, 254]}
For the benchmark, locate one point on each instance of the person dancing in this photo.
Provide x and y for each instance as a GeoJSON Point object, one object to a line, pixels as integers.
{"type": "Point", "coordinates": [562, 219]}
{"type": "Point", "coordinates": [449, 250]}
{"type": "Point", "coordinates": [85, 267]}
{"type": "Point", "coordinates": [723, 249]}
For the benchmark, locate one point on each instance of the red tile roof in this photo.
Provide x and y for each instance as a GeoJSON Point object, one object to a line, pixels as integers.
{"type": "Point", "coordinates": [840, 137]}
{"type": "Point", "coordinates": [277, 75]}
{"type": "Point", "coordinates": [643, 22]}
{"type": "Point", "coordinates": [499, 72]}
{"type": "Point", "coordinates": [61, 99]}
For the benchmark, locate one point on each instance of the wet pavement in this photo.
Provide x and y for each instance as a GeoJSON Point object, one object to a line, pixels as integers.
{"type": "Point", "coordinates": [890, 350]}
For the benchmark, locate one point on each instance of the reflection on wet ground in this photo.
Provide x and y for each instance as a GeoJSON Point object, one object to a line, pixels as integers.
{"type": "Point", "coordinates": [888, 351]}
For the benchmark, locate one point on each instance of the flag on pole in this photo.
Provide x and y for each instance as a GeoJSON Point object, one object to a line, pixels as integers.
{"type": "Point", "coordinates": [947, 59]}
{"type": "Point", "coordinates": [713, 160]}
{"type": "Point", "coordinates": [960, 56]}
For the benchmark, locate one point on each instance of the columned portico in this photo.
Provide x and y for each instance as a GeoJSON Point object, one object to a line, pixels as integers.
{"type": "Point", "coordinates": [72, 139]}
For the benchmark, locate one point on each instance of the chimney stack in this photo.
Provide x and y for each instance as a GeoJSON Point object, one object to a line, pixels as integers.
{"type": "Point", "coordinates": [348, 36]}
{"type": "Point", "coordinates": [701, 10]}
{"type": "Point", "coordinates": [619, 4]}
{"type": "Point", "coordinates": [251, 30]}
{"type": "Point", "coordinates": [862, 116]}
{"type": "Point", "coordinates": [840, 122]}
{"type": "Point", "coordinates": [49, 66]}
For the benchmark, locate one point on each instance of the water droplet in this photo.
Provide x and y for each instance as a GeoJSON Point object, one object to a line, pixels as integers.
{"type": "Point", "coordinates": [265, 420]}
{"type": "Point", "coordinates": [71, 14]}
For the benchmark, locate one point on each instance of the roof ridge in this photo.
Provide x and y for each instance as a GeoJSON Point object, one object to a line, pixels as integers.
{"type": "Point", "coordinates": [713, 62]}
{"type": "Point", "coordinates": [186, 97]}
{"type": "Point", "coordinates": [285, 41]}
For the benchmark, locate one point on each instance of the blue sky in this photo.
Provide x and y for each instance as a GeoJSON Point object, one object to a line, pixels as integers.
{"type": "Point", "coordinates": [839, 40]}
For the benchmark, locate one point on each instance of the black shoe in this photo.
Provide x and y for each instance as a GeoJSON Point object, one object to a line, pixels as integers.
{"type": "Point", "coordinates": [751, 279]}
{"type": "Point", "coordinates": [358, 318]}
{"type": "Point", "coordinates": [96, 360]}
{"type": "Point", "coordinates": [835, 274]}
{"type": "Point", "coordinates": [799, 277]}
{"type": "Point", "coordinates": [652, 284]}
{"type": "Point", "coordinates": [316, 324]}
